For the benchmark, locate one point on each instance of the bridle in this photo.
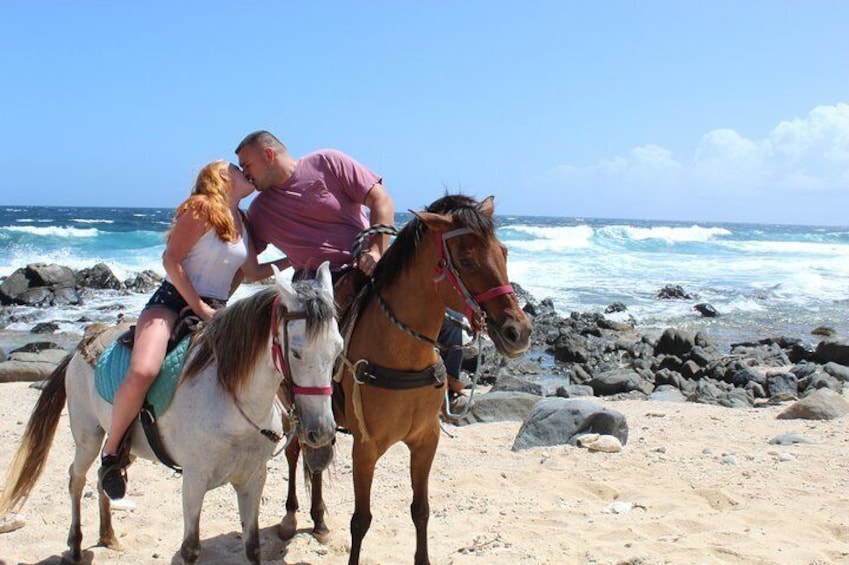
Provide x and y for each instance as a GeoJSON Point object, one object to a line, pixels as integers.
{"type": "Point", "coordinates": [280, 356]}
{"type": "Point", "coordinates": [280, 362]}
{"type": "Point", "coordinates": [445, 269]}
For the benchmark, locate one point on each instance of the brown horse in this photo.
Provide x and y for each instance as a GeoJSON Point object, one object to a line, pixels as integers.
{"type": "Point", "coordinates": [392, 377]}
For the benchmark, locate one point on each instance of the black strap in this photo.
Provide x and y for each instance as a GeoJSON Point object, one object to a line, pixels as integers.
{"type": "Point", "coordinates": [381, 377]}
{"type": "Point", "coordinates": [151, 432]}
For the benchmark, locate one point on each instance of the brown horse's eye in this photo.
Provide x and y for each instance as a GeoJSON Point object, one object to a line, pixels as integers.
{"type": "Point", "coordinates": [467, 264]}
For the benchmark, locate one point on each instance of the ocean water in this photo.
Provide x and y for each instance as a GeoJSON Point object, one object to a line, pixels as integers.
{"type": "Point", "coordinates": [763, 279]}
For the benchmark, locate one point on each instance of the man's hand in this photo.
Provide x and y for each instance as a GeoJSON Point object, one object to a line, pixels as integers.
{"type": "Point", "coordinates": [368, 261]}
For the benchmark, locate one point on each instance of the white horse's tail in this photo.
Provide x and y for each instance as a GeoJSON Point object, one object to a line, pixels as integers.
{"type": "Point", "coordinates": [29, 460]}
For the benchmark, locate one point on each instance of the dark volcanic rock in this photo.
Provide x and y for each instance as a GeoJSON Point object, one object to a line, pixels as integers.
{"type": "Point", "coordinates": [560, 421]}
{"type": "Point", "coordinates": [98, 277]}
{"type": "Point", "coordinates": [672, 291]}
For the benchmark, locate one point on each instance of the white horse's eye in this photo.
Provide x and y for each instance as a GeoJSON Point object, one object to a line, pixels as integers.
{"type": "Point", "coordinates": [296, 354]}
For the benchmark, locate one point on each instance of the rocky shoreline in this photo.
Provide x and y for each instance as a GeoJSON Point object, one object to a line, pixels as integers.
{"type": "Point", "coordinates": [579, 355]}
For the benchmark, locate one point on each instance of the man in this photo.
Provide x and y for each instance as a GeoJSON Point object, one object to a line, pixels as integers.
{"type": "Point", "coordinates": [312, 209]}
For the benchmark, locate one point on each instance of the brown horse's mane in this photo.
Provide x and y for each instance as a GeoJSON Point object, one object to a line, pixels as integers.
{"type": "Point", "coordinates": [239, 333]}
{"type": "Point", "coordinates": [402, 252]}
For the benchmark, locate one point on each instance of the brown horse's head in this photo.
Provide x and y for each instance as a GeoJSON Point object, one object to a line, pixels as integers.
{"type": "Point", "coordinates": [473, 261]}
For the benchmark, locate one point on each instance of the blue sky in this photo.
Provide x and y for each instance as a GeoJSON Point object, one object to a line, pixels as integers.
{"type": "Point", "coordinates": [710, 110]}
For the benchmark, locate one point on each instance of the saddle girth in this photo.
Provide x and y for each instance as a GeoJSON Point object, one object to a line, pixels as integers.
{"type": "Point", "coordinates": [151, 433]}
{"type": "Point", "coordinates": [392, 379]}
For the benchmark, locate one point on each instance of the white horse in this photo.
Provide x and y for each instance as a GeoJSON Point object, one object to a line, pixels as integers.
{"type": "Point", "coordinates": [222, 422]}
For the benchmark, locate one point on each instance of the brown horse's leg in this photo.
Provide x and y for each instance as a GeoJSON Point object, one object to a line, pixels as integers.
{"type": "Point", "coordinates": [364, 458]}
{"type": "Point", "coordinates": [289, 523]}
{"type": "Point", "coordinates": [317, 509]}
{"type": "Point", "coordinates": [421, 460]}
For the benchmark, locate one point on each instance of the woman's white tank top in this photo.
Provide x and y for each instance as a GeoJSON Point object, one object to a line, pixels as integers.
{"type": "Point", "coordinates": [212, 263]}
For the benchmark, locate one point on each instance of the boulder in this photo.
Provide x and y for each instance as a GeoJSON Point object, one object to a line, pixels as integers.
{"type": "Point", "coordinates": [98, 277]}
{"type": "Point", "coordinates": [782, 382]}
{"type": "Point", "coordinates": [25, 371]}
{"type": "Point", "coordinates": [561, 421]}
{"type": "Point", "coordinates": [512, 383]}
{"type": "Point", "coordinates": [823, 404]}
{"type": "Point", "coordinates": [13, 286]}
{"type": "Point", "coordinates": [500, 407]}
{"type": "Point", "coordinates": [52, 275]}
{"type": "Point", "coordinates": [833, 350]}
{"type": "Point", "coordinates": [45, 328]}
{"type": "Point", "coordinates": [618, 381]}
{"type": "Point", "coordinates": [838, 371]}
{"type": "Point", "coordinates": [672, 291]}
{"type": "Point", "coordinates": [143, 282]}
{"type": "Point", "coordinates": [573, 391]}
{"type": "Point", "coordinates": [674, 342]}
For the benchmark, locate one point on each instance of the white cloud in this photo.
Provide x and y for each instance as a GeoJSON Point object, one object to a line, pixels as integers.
{"type": "Point", "coordinates": [797, 159]}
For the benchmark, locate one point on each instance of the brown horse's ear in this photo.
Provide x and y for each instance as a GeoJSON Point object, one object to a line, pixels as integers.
{"type": "Point", "coordinates": [436, 222]}
{"type": "Point", "coordinates": [487, 206]}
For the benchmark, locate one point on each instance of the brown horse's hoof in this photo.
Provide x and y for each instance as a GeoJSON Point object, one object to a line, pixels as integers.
{"type": "Point", "coordinates": [111, 543]}
{"type": "Point", "coordinates": [322, 536]}
{"type": "Point", "coordinates": [288, 527]}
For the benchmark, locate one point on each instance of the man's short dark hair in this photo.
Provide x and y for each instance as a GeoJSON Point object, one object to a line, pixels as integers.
{"type": "Point", "coordinates": [260, 138]}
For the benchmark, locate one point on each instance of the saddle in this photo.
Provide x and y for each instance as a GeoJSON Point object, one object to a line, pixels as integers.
{"type": "Point", "coordinates": [114, 360]}
{"type": "Point", "coordinates": [186, 325]}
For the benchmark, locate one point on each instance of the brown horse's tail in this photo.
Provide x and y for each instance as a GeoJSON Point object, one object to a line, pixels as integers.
{"type": "Point", "coordinates": [31, 456]}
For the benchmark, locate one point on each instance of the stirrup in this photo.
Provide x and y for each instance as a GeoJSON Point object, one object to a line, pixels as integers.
{"type": "Point", "coordinates": [113, 476]}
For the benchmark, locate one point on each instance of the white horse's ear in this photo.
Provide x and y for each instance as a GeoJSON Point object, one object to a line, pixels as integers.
{"type": "Point", "coordinates": [284, 288]}
{"type": "Point", "coordinates": [324, 278]}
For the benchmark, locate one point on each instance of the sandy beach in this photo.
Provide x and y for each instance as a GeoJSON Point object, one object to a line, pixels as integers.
{"type": "Point", "coordinates": [694, 484]}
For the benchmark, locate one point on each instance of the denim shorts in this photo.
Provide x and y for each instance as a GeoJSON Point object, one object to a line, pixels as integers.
{"type": "Point", "coordinates": [167, 296]}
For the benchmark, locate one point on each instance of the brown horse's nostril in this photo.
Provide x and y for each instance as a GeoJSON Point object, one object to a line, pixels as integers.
{"type": "Point", "coordinates": [510, 334]}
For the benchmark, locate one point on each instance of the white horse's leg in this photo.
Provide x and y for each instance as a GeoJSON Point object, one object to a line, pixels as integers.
{"type": "Point", "coordinates": [193, 493]}
{"type": "Point", "coordinates": [88, 437]}
{"type": "Point", "coordinates": [85, 454]}
{"type": "Point", "coordinates": [249, 494]}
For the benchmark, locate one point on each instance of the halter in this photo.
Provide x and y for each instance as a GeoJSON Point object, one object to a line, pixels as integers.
{"type": "Point", "coordinates": [279, 358]}
{"type": "Point", "coordinates": [445, 269]}
{"type": "Point", "coordinates": [280, 355]}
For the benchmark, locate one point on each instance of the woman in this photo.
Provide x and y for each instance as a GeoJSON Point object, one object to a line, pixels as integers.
{"type": "Point", "coordinates": [206, 247]}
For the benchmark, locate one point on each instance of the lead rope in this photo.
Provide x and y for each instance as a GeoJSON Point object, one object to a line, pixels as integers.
{"type": "Point", "coordinates": [357, 400]}
{"type": "Point", "coordinates": [468, 405]}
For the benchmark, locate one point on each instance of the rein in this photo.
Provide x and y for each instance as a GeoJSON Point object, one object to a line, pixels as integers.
{"type": "Point", "coordinates": [416, 334]}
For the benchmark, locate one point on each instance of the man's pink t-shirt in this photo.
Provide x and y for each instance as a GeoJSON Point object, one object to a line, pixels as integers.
{"type": "Point", "coordinates": [316, 215]}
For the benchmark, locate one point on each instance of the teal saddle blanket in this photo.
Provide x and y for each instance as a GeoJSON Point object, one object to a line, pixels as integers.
{"type": "Point", "coordinates": [113, 363]}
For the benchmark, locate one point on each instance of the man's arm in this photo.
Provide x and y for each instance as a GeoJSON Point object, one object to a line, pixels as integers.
{"type": "Point", "coordinates": [381, 211]}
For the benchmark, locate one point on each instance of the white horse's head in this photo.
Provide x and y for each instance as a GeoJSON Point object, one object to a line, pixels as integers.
{"type": "Point", "coordinates": [310, 343]}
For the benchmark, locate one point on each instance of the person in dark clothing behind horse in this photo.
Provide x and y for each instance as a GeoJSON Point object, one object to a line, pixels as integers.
{"type": "Point", "coordinates": [311, 208]}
